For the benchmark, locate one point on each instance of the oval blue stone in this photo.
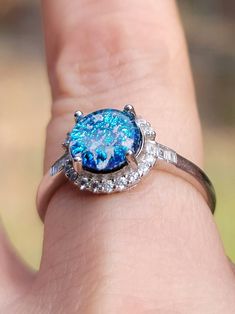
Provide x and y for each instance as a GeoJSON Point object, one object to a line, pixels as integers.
{"type": "Point", "coordinates": [102, 139]}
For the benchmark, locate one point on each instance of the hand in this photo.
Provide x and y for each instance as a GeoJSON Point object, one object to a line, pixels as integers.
{"type": "Point", "coordinates": [154, 249]}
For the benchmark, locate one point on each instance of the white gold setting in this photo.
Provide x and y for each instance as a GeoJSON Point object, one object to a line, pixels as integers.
{"type": "Point", "coordinates": [150, 154]}
{"type": "Point", "coordinates": [117, 181]}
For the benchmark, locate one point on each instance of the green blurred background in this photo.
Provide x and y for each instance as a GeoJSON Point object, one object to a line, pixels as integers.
{"type": "Point", "coordinates": [24, 112]}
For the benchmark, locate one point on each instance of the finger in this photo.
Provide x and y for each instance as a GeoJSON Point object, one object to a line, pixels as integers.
{"type": "Point", "coordinates": [108, 53]}
{"type": "Point", "coordinates": [16, 278]}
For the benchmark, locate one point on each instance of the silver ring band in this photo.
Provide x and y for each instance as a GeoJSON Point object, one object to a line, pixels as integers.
{"type": "Point", "coordinates": [102, 141]}
{"type": "Point", "coordinates": [168, 160]}
{"type": "Point", "coordinates": [189, 171]}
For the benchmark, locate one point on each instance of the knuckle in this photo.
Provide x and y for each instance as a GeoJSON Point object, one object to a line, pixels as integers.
{"type": "Point", "coordinates": [105, 60]}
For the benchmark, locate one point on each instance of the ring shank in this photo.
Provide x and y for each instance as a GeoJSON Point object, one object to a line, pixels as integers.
{"type": "Point", "coordinates": [200, 176]}
{"type": "Point", "coordinates": [167, 160]}
{"type": "Point", "coordinates": [47, 188]}
{"type": "Point", "coordinates": [176, 164]}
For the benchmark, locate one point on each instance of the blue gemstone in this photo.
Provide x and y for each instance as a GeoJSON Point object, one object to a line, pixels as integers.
{"type": "Point", "coordinates": [102, 139]}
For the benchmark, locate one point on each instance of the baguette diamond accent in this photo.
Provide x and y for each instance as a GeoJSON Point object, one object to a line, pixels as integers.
{"type": "Point", "coordinates": [59, 165]}
{"type": "Point", "coordinates": [167, 154]}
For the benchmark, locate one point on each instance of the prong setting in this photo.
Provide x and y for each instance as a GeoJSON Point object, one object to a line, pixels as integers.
{"type": "Point", "coordinates": [65, 144]}
{"type": "Point", "coordinates": [131, 159]}
{"type": "Point", "coordinates": [77, 164]}
{"type": "Point", "coordinates": [78, 115]}
{"type": "Point", "coordinates": [129, 108]}
{"type": "Point", "coordinates": [137, 164]}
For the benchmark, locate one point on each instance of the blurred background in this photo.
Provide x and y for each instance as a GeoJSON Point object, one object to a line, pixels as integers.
{"type": "Point", "coordinates": [24, 112]}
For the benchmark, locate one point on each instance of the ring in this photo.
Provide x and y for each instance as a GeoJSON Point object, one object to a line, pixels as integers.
{"type": "Point", "coordinates": [109, 151]}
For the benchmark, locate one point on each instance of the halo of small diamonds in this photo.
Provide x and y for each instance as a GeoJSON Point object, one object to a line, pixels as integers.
{"type": "Point", "coordinates": [124, 178]}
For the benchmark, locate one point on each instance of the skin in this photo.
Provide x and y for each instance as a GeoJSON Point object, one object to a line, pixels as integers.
{"type": "Point", "coordinates": [154, 249]}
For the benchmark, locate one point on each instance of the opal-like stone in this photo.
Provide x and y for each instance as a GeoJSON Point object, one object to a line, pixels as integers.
{"type": "Point", "coordinates": [102, 139]}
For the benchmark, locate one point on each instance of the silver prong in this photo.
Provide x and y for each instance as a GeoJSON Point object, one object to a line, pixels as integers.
{"type": "Point", "coordinates": [77, 164]}
{"type": "Point", "coordinates": [130, 108]}
{"type": "Point", "coordinates": [131, 159]}
{"type": "Point", "coordinates": [78, 115]}
{"type": "Point", "coordinates": [64, 146]}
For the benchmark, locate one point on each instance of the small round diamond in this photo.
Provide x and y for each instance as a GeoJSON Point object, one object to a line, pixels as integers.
{"type": "Point", "coordinates": [107, 186]}
{"type": "Point", "coordinates": [121, 183]}
{"type": "Point", "coordinates": [133, 177]}
{"type": "Point", "coordinates": [84, 183]}
{"type": "Point", "coordinates": [103, 138]}
{"type": "Point", "coordinates": [149, 160]}
{"type": "Point", "coordinates": [95, 186]}
{"type": "Point", "coordinates": [143, 169]}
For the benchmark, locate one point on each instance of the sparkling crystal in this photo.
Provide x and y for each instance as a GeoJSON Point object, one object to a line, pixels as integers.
{"type": "Point", "coordinates": [133, 177]}
{"type": "Point", "coordinates": [71, 174]}
{"type": "Point", "coordinates": [143, 169]}
{"type": "Point", "coordinates": [102, 139]}
{"type": "Point", "coordinates": [95, 186]}
{"type": "Point", "coordinates": [108, 186]}
{"type": "Point", "coordinates": [58, 165]}
{"type": "Point", "coordinates": [142, 122]}
{"type": "Point", "coordinates": [149, 159]}
{"type": "Point", "coordinates": [151, 148]}
{"type": "Point", "coordinates": [84, 183]}
{"type": "Point", "coordinates": [121, 183]}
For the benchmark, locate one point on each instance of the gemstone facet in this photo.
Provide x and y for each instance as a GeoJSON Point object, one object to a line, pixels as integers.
{"type": "Point", "coordinates": [102, 139]}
